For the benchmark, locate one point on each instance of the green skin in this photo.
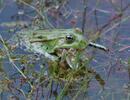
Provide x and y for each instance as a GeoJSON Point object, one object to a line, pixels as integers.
{"type": "Point", "coordinates": [52, 41]}
{"type": "Point", "coordinates": [56, 39]}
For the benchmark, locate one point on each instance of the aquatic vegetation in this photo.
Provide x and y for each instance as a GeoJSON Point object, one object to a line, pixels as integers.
{"type": "Point", "coordinates": [48, 57]}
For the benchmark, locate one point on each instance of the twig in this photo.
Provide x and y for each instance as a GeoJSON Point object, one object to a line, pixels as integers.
{"type": "Point", "coordinates": [84, 15]}
{"type": "Point", "coordinates": [111, 20]}
{"type": "Point", "coordinates": [95, 14]}
{"type": "Point", "coordinates": [115, 25]}
{"type": "Point", "coordinates": [39, 12]}
{"type": "Point", "coordinates": [128, 65]}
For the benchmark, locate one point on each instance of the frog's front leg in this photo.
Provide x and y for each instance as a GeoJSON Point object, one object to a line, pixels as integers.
{"type": "Point", "coordinates": [69, 62]}
{"type": "Point", "coordinates": [75, 65]}
{"type": "Point", "coordinates": [74, 58]}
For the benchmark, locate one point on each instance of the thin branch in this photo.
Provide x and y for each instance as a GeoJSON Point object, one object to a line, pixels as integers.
{"type": "Point", "coordinates": [84, 15]}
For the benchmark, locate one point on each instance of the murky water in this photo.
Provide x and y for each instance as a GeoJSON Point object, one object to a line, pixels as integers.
{"type": "Point", "coordinates": [112, 67]}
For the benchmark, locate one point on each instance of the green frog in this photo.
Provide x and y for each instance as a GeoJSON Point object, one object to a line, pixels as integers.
{"type": "Point", "coordinates": [58, 43]}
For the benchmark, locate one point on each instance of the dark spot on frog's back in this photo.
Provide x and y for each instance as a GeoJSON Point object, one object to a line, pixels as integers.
{"type": "Point", "coordinates": [40, 36]}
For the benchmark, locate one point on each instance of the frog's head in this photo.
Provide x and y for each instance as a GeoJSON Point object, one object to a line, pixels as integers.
{"type": "Point", "coordinates": [73, 38]}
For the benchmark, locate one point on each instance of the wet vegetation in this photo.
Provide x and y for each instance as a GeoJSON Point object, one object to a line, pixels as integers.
{"type": "Point", "coordinates": [103, 76]}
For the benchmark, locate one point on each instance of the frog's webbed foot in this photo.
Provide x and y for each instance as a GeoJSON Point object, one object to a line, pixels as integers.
{"type": "Point", "coordinates": [70, 63]}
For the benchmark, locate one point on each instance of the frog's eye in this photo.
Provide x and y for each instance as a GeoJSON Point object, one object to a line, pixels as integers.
{"type": "Point", "coordinates": [69, 38]}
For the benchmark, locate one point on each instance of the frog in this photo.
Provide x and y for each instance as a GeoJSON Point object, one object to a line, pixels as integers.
{"type": "Point", "coordinates": [58, 43]}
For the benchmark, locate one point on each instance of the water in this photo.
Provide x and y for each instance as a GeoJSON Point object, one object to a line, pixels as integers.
{"type": "Point", "coordinates": [112, 67]}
